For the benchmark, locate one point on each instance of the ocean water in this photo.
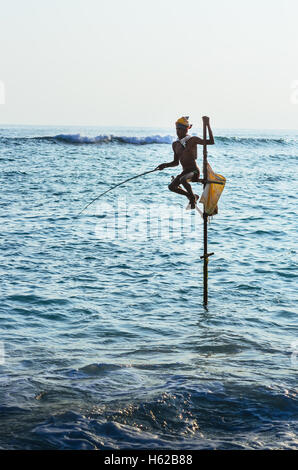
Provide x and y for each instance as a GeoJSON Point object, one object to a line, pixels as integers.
{"type": "Point", "coordinates": [105, 343]}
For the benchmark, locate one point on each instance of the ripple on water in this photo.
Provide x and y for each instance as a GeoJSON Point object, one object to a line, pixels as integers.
{"type": "Point", "coordinates": [35, 299]}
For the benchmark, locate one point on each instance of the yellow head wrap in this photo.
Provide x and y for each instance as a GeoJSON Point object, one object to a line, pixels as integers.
{"type": "Point", "coordinates": [184, 121]}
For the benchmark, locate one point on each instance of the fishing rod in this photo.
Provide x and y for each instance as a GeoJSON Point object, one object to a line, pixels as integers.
{"type": "Point", "coordinates": [116, 186]}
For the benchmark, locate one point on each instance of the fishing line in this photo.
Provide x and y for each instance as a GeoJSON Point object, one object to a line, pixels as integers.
{"type": "Point", "coordinates": [116, 186]}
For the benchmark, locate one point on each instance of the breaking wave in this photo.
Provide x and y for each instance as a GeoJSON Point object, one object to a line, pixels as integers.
{"type": "Point", "coordinates": [77, 139]}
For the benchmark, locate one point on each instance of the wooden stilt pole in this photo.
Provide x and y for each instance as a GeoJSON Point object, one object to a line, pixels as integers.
{"type": "Point", "coordinates": [205, 216]}
{"type": "Point", "coordinates": [206, 255]}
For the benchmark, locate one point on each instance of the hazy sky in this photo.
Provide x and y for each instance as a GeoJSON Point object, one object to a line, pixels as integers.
{"type": "Point", "coordinates": [144, 63]}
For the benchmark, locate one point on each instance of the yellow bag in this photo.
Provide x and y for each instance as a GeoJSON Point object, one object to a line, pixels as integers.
{"type": "Point", "coordinates": [212, 192]}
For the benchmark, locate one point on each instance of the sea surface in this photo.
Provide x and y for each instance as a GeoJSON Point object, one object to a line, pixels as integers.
{"type": "Point", "coordinates": [104, 340]}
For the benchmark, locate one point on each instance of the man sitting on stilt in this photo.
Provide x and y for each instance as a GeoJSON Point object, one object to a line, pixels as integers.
{"type": "Point", "coordinates": [185, 152]}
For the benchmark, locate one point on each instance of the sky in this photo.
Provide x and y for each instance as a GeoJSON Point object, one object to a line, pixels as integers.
{"type": "Point", "coordinates": [145, 63]}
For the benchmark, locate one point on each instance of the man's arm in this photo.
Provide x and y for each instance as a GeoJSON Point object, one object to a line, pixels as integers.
{"type": "Point", "coordinates": [175, 162]}
{"type": "Point", "coordinates": [198, 141]}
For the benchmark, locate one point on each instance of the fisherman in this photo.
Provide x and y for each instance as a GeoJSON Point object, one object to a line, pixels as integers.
{"type": "Point", "coordinates": [185, 152]}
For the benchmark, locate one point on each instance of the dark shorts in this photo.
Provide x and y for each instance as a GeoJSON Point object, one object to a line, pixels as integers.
{"type": "Point", "coordinates": [189, 175]}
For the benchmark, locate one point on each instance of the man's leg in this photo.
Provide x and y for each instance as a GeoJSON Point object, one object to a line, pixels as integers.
{"type": "Point", "coordinates": [184, 181]}
{"type": "Point", "coordinates": [174, 186]}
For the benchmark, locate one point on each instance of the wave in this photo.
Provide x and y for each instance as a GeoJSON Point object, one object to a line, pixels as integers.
{"type": "Point", "coordinates": [78, 139]}
{"type": "Point", "coordinates": [255, 140]}
{"type": "Point", "coordinates": [100, 139]}
{"type": "Point", "coordinates": [198, 416]}
{"type": "Point", "coordinates": [151, 139]}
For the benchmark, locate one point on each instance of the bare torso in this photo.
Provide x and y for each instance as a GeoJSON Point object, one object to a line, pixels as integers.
{"type": "Point", "coordinates": [187, 155]}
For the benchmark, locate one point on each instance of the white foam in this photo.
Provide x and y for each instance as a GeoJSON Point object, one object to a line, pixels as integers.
{"type": "Point", "coordinates": [79, 139]}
